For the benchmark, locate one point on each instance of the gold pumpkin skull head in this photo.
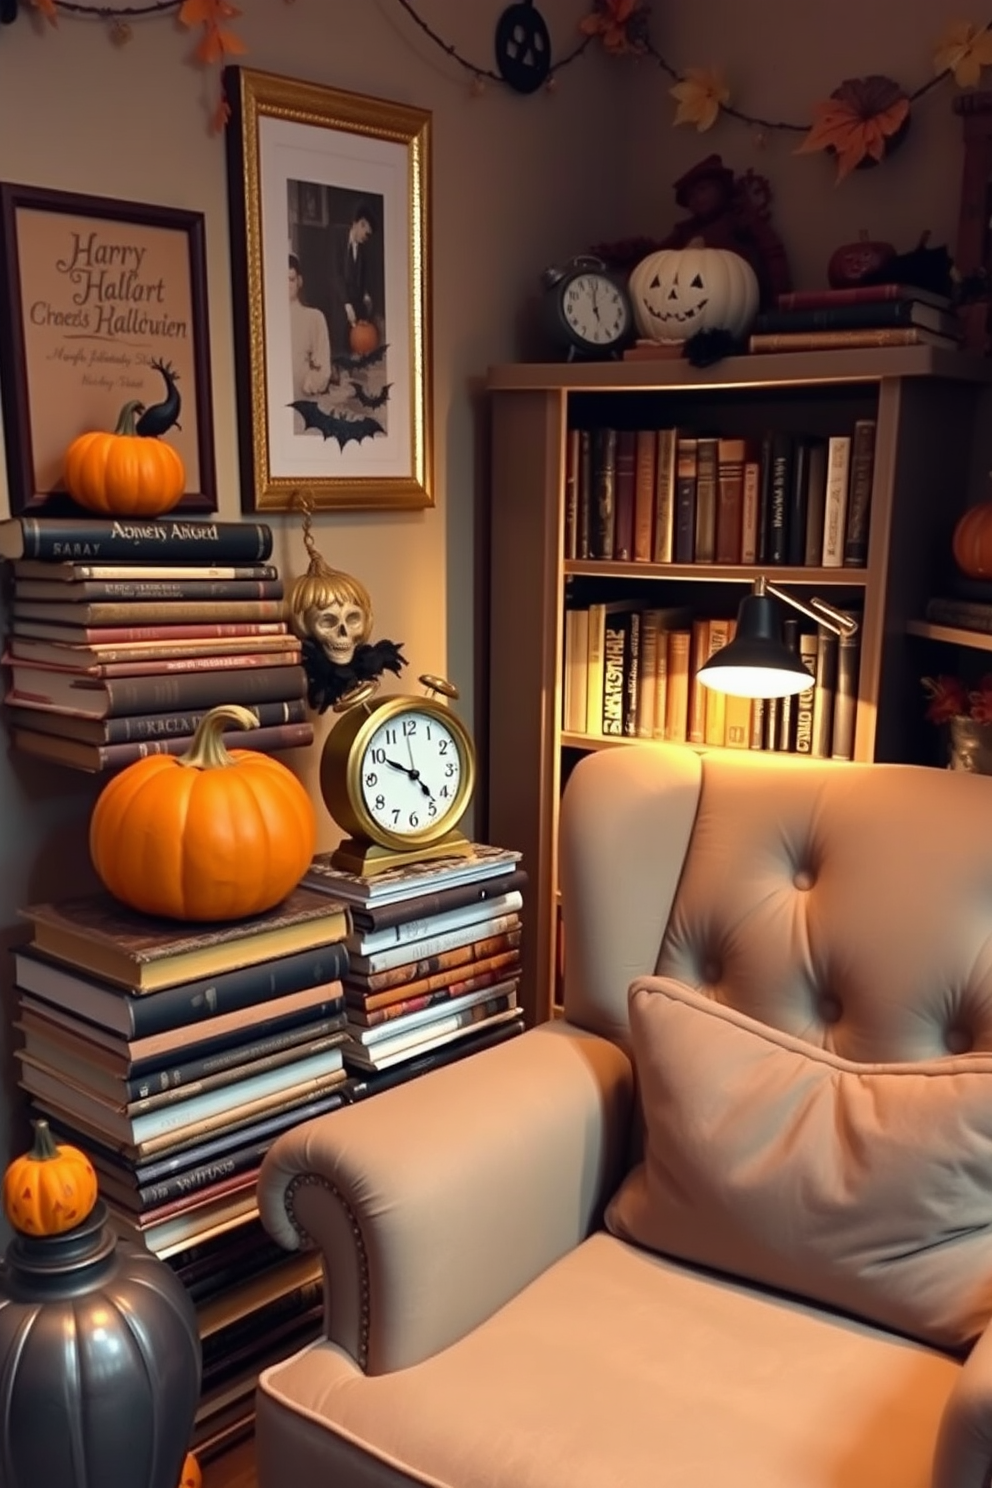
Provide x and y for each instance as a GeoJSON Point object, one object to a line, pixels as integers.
{"type": "Point", "coordinates": [677, 292]}
{"type": "Point", "coordinates": [332, 608]}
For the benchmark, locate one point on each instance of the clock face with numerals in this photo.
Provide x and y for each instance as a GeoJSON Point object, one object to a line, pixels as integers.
{"type": "Point", "coordinates": [399, 773]}
{"type": "Point", "coordinates": [595, 311]}
{"type": "Point", "coordinates": [412, 770]}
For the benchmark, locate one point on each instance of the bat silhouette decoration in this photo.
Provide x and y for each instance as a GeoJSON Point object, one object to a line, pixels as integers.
{"type": "Point", "coordinates": [334, 426]}
{"type": "Point", "coordinates": [357, 363]}
{"type": "Point", "coordinates": [369, 400]}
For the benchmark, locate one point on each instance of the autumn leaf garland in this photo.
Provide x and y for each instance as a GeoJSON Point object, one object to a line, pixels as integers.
{"type": "Point", "coordinates": [216, 44]}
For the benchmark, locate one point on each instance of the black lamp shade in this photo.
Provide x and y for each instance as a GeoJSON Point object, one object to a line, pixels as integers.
{"type": "Point", "coordinates": [757, 662]}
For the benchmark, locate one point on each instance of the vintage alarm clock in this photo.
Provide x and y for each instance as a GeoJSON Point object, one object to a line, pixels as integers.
{"type": "Point", "coordinates": [587, 311]}
{"type": "Point", "coordinates": [398, 774]}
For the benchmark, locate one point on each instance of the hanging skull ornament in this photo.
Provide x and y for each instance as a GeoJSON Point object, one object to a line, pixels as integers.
{"type": "Point", "coordinates": [331, 612]}
{"type": "Point", "coordinates": [523, 47]}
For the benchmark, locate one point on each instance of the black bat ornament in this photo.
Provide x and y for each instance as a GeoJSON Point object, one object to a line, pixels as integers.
{"type": "Point", "coordinates": [336, 425]}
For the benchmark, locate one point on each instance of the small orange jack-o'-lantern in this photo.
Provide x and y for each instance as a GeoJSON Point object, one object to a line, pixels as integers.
{"type": "Point", "coordinates": [192, 1476]}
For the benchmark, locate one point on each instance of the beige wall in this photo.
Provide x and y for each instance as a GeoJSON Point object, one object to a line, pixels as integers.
{"type": "Point", "coordinates": [518, 182]}
{"type": "Point", "coordinates": [78, 113]}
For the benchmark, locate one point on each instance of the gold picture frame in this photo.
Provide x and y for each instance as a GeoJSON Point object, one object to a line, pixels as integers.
{"type": "Point", "coordinates": [331, 189]}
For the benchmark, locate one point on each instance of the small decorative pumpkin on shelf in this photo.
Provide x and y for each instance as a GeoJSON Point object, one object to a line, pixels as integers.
{"type": "Point", "coordinates": [50, 1189]}
{"type": "Point", "coordinates": [679, 292]}
{"type": "Point", "coordinates": [131, 472]}
{"type": "Point", "coordinates": [972, 542]}
{"type": "Point", "coordinates": [212, 834]}
{"type": "Point", "coordinates": [858, 263]}
{"type": "Point", "coordinates": [363, 338]}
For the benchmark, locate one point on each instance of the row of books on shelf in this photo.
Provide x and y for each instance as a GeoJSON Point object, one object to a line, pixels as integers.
{"type": "Point", "coordinates": [859, 316]}
{"type": "Point", "coordinates": [631, 672]}
{"type": "Point", "coordinates": [176, 1055]}
{"type": "Point", "coordinates": [677, 496]}
{"type": "Point", "coordinates": [120, 636]}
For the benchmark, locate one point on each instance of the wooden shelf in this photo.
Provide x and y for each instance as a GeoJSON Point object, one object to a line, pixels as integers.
{"type": "Point", "coordinates": [976, 640]}
{"type": "Point", "coordinates": [724, 573]}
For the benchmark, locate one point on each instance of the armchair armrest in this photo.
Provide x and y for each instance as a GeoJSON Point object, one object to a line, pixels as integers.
{"type": "Point", "coordinates": [963, 1455]}
{"type": "Point", "coordinates": [437, 1201]}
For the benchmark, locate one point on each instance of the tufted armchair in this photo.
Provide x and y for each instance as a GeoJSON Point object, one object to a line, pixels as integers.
{"type": "Point", "coordinates": [765, 1259]}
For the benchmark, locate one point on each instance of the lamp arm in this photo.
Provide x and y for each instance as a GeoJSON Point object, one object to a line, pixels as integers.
{"type": "Point", "coordinates": [814, 609]}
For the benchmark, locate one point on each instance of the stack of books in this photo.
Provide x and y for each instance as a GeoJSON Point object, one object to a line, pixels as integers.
{"type": "Point", "coordinates": [174, 1055]}
{"type": "Point", "coordinates": [433, 961]}
{"type": "Point", "coordinates": [123, 633]}
{"type": "Point", "coordinates": [863, 315]}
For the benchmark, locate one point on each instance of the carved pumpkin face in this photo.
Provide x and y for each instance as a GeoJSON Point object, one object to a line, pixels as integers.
{"type": "Point", "coordinates": [677, 292]}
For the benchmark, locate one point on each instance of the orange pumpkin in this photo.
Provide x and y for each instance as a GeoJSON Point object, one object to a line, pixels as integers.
{"type": "Point", "coordinates": [124, 474]}
{"type": "Point", "coordinates": [50, 1189]}
{"type": "Point", "coordinates": [363, 337]}
{"type": "Point", "coordinates": [206, 835]}
{"type": "Point", "coordinates": [972, 542]}
{"type": "Point", "coordinates": [192, 1476]}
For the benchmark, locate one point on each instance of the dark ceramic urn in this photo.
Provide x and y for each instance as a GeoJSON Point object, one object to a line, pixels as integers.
{"type": "Point", "coordinates": [99, 1363]}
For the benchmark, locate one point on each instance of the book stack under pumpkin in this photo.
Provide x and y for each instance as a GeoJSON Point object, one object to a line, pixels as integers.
{"type": "Point", "coordinates": [857, 316]}
{"type": "Point", "coordinates": [123, 633]}
{"type": "Point", "coordinates": [433, 961]}
{"type": "Point", "coordinates": [174, 1054]}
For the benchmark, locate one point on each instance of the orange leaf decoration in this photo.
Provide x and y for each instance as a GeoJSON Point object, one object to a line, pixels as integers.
{"type": "Point", "coordinates": [621, 25]}
{"type": "Point", "coordinates": [217, 42]}
{"type": "Point", "coordinates": [47, 8]}
{"type": "Point", "coordinates": [860, 122]}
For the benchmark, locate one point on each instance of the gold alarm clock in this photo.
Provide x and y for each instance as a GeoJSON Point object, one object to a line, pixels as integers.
{"type": "Point", "coordinates": [398, 774]}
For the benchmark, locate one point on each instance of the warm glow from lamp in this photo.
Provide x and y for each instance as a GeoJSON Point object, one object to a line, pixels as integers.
{"type": "Point", "coordinates": [757, 663]}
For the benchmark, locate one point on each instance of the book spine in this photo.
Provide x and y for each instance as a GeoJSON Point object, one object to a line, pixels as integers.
{"type": "Point", "coordinates": [160, 620]}
{"type": "Point", "coordinates": [780, 491]}
{"type": "Point", "coordinates": [631, 673]}
{"type": "Point", "coordinates": [730, 500]}
{"type": "Point", "coordinates": [217, 661]}
{"type": "Point", "coordinates": [644, 484]}
{"type": "Point", "coordinates": [765, 497]}
{"type": "Point", "coordinates": [685, 501]}
{"type": "Point", "coordinates": [167, 1078]}
{"type": "Point", "coordinates": [697, 692]}
{"type": "Point", "coordinates": [203, 1175]}
{"type": "Point", "coordinates": [859, 501]}
{"type": "Point", "coordinates": [233, 991]}
{"type": "Point", "coordinates": [677, 702]}
{"type": "Point", "coordinates": [823, 694]}
{"type": "Point", "coordinates": [583, 548]}
{"type": "Point", "coordinates": [363, 1086]}
{"type": "Point", "coordinates": [965, 614]}
{"type": "Point", "coordinates": [808, 646]}
{"type": "Point", "coordinates": [262, 740]}
{"type": "Point", "coordinates": [479, 974]}
{"type": "Point", "coordinates": [873, 314]}
{"type": "Point", "coordinates": [153, 726]}
{"type": "Point", "coordinates": [594, 681]}
{"type": "Point", "coordinates": [715, 703]}
{"type": "Point", "coordinates": [624, 482]}
{"type": "Point", "coordinates": [111, 636]}
{"type": "Point", "coordinates": [846, 697]}
{"type": "Point", "coordinates": [647, 687]}
{"type": "Point", "coordinates": [788, 705]}
{"type": "Point", "coordinates": [661, 678]}
{"type": "Point", "coordinates": [707, 476]}
{"type": "Point", "coordinates": [126, 540]}
{"type": "Point", "coordinates": [798, 496]}
{"type": "Point", "coordinates": [614, 677]}
{"type": "Point", "coordinates": [855, 294]}
{"type": "Point", "coordinates": [67, 575]}
{"type": "Point", "coordinates": [386, 1048]}
{"type": "Point", "coordinates": [160, 693]}
{"type": "Point", "coordinates": [816, 503]}
{"type": "Point", "coordinates": [603, 493]}
{"type": "Point", "coordinates": [835, 502]}
{"type": "Point", "coordinates": [751, 499]}
{"type": "Point", "coordinates": [664, 496]}
{"type": "Point", "coordinates": [155, 1100]}
{"type": "Point", "coordinates": [570, 534]}
{"type": "Point", "coordinates": [148, 591]}
{"type": "Point", "coordinates": [838, 340]}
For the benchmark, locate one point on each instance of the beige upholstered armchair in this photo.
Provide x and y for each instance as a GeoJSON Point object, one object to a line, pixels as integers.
{"type": "Point", "coordinates": [769, 1268]}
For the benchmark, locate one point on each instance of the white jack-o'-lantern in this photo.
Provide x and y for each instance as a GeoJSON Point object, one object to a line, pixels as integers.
{"type": "Point", "coordinates": [677, 292]}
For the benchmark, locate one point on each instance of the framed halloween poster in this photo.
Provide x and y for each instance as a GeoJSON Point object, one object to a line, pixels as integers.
{"type": "Point", "coordinates": [102, 304]}
{"type": "Point", "coordinates": [329, 203]}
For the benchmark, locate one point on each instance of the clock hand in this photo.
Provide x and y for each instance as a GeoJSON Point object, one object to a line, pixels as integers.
{"type": "Point", "coordinates": [395, 765]}
{"type": "Point", "coordinates": [414, 773]}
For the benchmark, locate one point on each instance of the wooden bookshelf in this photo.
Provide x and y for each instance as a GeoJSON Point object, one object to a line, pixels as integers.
{"type": "Point", "coordinates": [924, 402]}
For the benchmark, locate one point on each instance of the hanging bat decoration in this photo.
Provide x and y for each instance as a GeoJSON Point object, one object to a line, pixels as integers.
{"type": "Point", "coordinates": [336, 425]}
{"type": "Point", "coordinates": [351, 363]}
{"type": "Point", "coordinates": [368, 400]}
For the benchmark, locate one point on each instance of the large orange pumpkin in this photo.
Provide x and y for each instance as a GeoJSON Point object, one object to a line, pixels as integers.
{"type": "Point", "coordinates": [207, 835]}
{"type": "Point", "coordinates": [50, 1189]}
{"type": "Point", "coordinates": [124, 474]}
{"type": "Point", "coordinates": [972, 542]}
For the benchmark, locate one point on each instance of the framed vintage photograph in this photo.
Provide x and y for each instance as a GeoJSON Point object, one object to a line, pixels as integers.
{"type": "Point", "coordinates": [330, 197]}
{"type": "Point", "coordinates": [102, 303]}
